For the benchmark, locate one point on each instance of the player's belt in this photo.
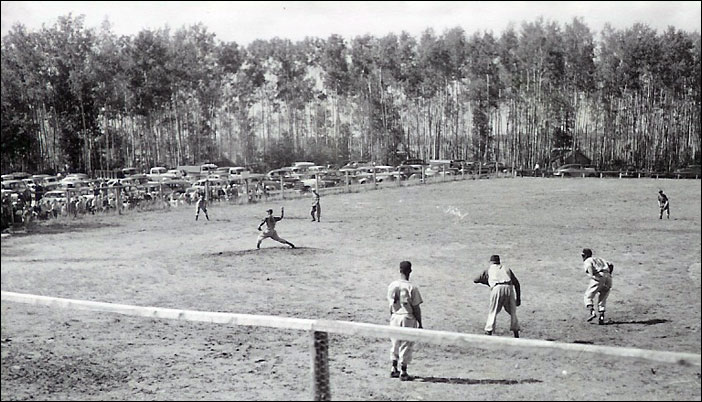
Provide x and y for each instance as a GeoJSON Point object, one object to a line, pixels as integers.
{"type": "Point", "coordinates": [503, 283]}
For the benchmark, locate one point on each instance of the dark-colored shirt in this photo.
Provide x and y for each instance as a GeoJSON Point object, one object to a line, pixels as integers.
{"type": "Point", "coordinates": [662, 199]}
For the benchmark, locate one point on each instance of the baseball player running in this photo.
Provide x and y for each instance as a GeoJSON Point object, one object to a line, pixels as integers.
{"type": "Point", "coordinates": [201, 205]}
{"type": "Point", "coordinates": [316, 207]}
{"type": "Point", "coordinates": [503, 284]}
{"type": "Point", "coordinates": [600, 273]}
{"type": "Point", "coordinates": [270, 232]}
{"type": "Point", "coordinates": [663, 204]}
{"type": "Point", "coordinates": [404, 299]}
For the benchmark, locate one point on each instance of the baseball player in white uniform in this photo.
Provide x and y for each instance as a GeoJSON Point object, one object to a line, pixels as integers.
{"type": "Point", "coordinates": [404, 299]}
{"type": "Point", "coordinates": [505, 291]}
{"type": "Point", "coordinates": [270, 232]}
{"type": "Point", "coordinates": [600, 273]}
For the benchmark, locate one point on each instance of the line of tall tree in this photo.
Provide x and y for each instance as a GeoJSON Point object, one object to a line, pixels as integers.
{"type": "Point", "coordinates": [81, 98]}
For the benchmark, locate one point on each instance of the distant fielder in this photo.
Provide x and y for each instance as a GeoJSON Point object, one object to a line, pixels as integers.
{"type": "Point", "coordinates": [600, 273]}
{"type": "Point", "coordinates": [201, 205]}
{"type": "Point", "coordinates": [270, 232]}
{"type": "Point", "coordinates": [404, 299]}
{"type": "Point", "coordinates": [663, 204]}
{"type": "Point", "coordinates": [316, 207]}
{"type": "Point", "coordinates": [505, 292]}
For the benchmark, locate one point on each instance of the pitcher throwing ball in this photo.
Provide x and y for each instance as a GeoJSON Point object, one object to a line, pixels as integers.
{"type": "Point", "coordinates": [270, 222]}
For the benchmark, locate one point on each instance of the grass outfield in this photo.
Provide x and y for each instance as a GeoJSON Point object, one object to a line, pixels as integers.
{"type": "Point", "coordinates": [340, 271]}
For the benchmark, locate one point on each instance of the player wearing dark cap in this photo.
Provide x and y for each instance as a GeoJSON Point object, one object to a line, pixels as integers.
{"type": "Point", "coordinates": [404, 299]}
{"type": "Point", "coordinates": [663, 204]}
{"type": "Point", "coordinates": [270, 222]}
{"type": "Point", "coordinates": [505, 292]}
{"type": "Point", "coordinates": [201, 206]}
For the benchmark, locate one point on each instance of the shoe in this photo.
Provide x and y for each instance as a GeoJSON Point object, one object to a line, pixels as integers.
{"type": "Point", "coordinates": [313, 220]}
{"type": "Point", "coordinates": [405, 377]}
{"type": "Point", "coordinates": [394, 374]}
{"type": "Point", "coordinates": [592, 316]}
{"type": "Point", "coordinates": [488, 332]}
{"type": "Point", "coordinates": [516, 334]}
{"type": "Point", "coordinates": [292, 245]}
{"type": "Point", "coordinates": [601, 320]}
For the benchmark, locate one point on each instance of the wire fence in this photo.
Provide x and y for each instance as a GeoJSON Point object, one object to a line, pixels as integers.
{"type": "Point", "coordinates": [153, 196]}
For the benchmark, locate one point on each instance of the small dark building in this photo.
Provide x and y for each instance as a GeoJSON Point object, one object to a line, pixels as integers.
{"type": "Point", "coordinates": [565, 156]}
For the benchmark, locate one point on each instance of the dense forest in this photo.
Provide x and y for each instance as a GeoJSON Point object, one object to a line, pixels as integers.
{"type": "Point", "coordinates": [87, 99]}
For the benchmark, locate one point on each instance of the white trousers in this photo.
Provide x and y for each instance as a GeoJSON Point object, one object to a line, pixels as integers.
{"type": "Point", "coordinates": [502, 296]}
{"type": "Point", "coordinates": [402, 350]}
{"type": "Point", "coordinates": [601, 288]}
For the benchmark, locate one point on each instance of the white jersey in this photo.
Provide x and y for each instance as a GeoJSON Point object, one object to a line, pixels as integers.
{"type": "Point", "coordinates": [596, 266]}
{"type": "Point", "coordinates": [403, 296]}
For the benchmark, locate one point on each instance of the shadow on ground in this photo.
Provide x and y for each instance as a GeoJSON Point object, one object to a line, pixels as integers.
{"type": "Point", "coordinates": [471, 381]}
{"type": "Point", "coordinates": [270, 250]}
{"type": "Point", "coordinates": [643, 322]}
{"type": "Point", "coordinates": [56, 227]}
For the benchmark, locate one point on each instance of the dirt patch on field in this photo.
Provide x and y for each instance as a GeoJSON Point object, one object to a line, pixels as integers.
{"type": "Point", "coordinates": [339, 271]}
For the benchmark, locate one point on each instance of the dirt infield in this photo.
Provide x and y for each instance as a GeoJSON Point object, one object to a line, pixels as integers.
{"type": "Point", "coordinates": [340, 271]}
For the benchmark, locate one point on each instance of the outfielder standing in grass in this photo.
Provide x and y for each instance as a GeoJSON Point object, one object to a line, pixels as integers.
{"type": "Point", "coordinates": [201, 205]}
{"type": "Point", "coordinates": [600, 273]}
{"type": "Point", "coordinates": [404, 299]}
{"type": "Point", "coordinates": [316, 207]}
{"type": "Point", "coordinates": [663, 204]}
{"type": "Point", "coordinates": [270, 221]}
{"type": "Point", "coordinates": [503, 284]}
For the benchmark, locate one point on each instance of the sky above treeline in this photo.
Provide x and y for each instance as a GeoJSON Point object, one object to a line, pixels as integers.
{"type": "Point", "coordinates": [243, 22]}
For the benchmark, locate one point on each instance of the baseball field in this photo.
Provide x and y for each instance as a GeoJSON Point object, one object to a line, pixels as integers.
{"type": "Point", "coordinates": [340, 271]}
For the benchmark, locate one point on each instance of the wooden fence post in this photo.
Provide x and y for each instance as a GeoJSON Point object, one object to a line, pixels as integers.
{"type": "Point", "coordinates": [119, 199]}
{"type": "Point", "coordinates": [320, 366]}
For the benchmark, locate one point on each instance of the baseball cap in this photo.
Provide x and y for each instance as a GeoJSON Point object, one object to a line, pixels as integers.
{"type": "Point", "coordinates": [495, 258]}
{"type": "Point", "coordinates": [660, 191]}
{"type": "Point", "coordinates": [587, 252]}
{"type": "Point", "coordinates": [405, 267]}
{"type": "Point", "coordinates": [269, 210]}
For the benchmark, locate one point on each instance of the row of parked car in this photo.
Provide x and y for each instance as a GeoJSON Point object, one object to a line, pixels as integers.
{"type": "Point", "coordinates": [580, 170]}
{"type": "Point", "coordinates": [301, 176]}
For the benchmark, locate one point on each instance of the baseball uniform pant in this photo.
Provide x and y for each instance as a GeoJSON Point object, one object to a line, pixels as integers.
{"type": "Point", "coordinates": [271, 234]}
{"type": "Point", "coordinates": [502, 296]}
{"type": "Point", "coordinates": [601, 288]}
{"type": "Point", "coordinates": [665, 209]}
{"type": "Point", "coordinates": [402, 350]}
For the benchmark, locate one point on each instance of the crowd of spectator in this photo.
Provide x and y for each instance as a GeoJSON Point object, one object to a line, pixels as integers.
{"type": "Point", "coordinates": [19, 209]}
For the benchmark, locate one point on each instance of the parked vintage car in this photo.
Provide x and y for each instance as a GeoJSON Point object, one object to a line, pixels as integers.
{"type": "Point", "coordinates": [49, 183]}
{"type": "Point", "coordinates": [17, 187]}
{"type": "Point", "coordinates": [690, 172]}
{"type": "Point", "coordinates": [629, 171]}
{"type": "Point", "coordinates": [407, 171]}
{"type": "Point", "coordinates": [575, 170]}
{"type": "Point", "coordinates": [54, 195]}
